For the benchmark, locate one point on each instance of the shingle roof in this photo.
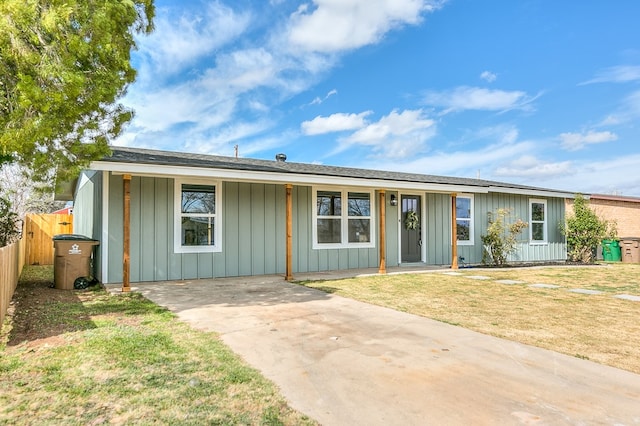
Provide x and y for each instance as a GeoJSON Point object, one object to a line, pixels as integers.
{"type": "Point", "coordinates": [609, 197]}
{"type": "Point", "coordinates": [170, 158]}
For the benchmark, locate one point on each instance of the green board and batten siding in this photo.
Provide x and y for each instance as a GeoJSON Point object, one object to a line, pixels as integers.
{"type": "Point", "coordinates": [554, 249]}
{"type": "Point", "coordinates": [87, 215]}
{"type": "Point", "coordinates": [437, 220]}
{"type": "Point", "coordinates": [253, 234]}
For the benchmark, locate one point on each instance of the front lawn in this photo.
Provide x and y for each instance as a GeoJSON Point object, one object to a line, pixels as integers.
{"type": "Point", "coordinates": [89, 358]}
{"type": "Point", "coordinates": [598, 327]}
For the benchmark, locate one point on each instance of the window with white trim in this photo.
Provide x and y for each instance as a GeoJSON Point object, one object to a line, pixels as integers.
{"type": "Point", "coordinates": [537, 221]}
{"type": "Point", "coordinates": [335, 226]}
{"type": "Point", "coordinates": [197, 217]}
{"type": "Point", "coordinates": [464, 219]}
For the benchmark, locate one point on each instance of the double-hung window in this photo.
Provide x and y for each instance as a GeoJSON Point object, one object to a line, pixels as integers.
{"type": "Point", "coordinates": [537, 221]}
{"type": "Point", "coordinates": [343, 218]}
{"type": "Point", "coordinates": [329, 220]}
{"type": "Point", "coordinates": [197, 217]}
{"type": "Point", "coordinates": [464, 219]}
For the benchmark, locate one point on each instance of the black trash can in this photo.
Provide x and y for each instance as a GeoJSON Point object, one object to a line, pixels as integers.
{"type": "Point", "coordinates": [73, 255]}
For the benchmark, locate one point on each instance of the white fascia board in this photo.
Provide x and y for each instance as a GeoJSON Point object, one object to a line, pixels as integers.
{"type": "Point", "coordinates": [532, 192]}
{"type": "Point", "coordinates": [271, 177]}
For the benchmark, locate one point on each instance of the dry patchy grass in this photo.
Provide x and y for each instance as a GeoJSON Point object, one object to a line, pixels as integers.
{"type": "Point", "coordinates": [85, 357]}
{"type": "Point", "coordinates": [600, 327]}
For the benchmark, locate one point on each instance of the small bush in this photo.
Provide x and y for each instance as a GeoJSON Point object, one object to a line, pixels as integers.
{"type": "Point", "coordinates": [500, 240]}
{"type": "Point", "coordinates": [584, 230]}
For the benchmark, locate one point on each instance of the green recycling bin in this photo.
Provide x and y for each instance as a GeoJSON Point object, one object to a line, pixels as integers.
{"type": "Point", "coordinates": [611, 251]}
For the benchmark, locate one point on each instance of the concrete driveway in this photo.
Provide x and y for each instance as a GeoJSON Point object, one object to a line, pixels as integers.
{"type": "Point", "coordinates": [344, 362]}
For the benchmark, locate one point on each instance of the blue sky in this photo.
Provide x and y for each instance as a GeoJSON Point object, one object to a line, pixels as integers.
{"type": "Point", "coordinates": [540, 92]}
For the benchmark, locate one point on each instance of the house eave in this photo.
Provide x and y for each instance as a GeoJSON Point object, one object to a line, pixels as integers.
{"type": "Point", "coordinates": [238, 175]}
{"type": "Point", "coordinates": [532, 192]}
{"type": "Point", "coordinates": [274, 177]}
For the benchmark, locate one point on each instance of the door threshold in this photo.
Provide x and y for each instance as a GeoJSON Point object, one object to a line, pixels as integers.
{"type": "Point", "coordinates": [412, 264]}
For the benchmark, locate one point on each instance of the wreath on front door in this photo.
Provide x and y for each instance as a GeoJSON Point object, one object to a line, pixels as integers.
{"type": "Point", "coordinates": [411, 221]}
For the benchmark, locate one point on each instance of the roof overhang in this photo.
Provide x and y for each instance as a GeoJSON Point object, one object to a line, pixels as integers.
{"type": "Point", "coordinates": [618, 198]}
{"type": "Point", "coordinates": [65, 191]}
{"type": "Point", "coordinates": [237, 175]}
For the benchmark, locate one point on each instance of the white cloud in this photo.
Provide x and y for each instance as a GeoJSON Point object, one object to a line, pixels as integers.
{"type": "Point", "coordinates": [488, 76]}
{"type": "Point", "coordinates": [618, 74]}
{"type": "Point", "coordinates": [337, 25]}
{"type": "Point", "coordinates": [227, 74]}
{"type": "Point", "coordinates": [611, 120]}
{"type": "Point", "coordinates": [628, 110]}
{"type": "Point", "coordinates": [600, 177]}
{"type": "Point", "coordinates": [408, 122]}
{"type": "Point", "coordinates": [243, 70]}
{"type": "Point", "coordinates": [477, 98]}
{"type": "Point", "coordinates": [178, 43]}
{"type": "Point", "coordinates": [187, 103]}
{"type": "Point", "coordinates": [503, 133]}
{"type": "Point", "coordinates": [334, 123]}
{"type": "Point", "coordinates": [530, 166]}
{"type": "Point", "coordinates": [397, 135]}
{"type": "Point", "coordinates": [237, 131]}
{"type": "Point", "coordinates": [632, 104]}
{"type": "Point", "coordinates": [464, 162]}
{"type": "Point", "coordinates": [318, 100]}
{"type": "Point", "coordinates": [576, 141]}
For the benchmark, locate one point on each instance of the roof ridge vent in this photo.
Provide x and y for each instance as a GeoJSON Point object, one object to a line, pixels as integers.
{"type": "Point", "coordinates": [281, 158]}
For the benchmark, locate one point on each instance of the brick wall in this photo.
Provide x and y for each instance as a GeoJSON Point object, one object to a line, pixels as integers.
{"type": "Point", "coordinates": [625, 211]}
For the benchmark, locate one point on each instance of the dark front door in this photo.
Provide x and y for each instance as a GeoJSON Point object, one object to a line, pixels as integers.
{"type": "Point", "coordinates": [410, 229]}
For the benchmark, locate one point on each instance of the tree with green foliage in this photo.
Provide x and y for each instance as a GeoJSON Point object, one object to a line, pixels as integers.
{"type": "Point", "coordinates": [9, 224]}
{"type": "Point", "coordinates": [584, 230]}
{"type": "Point", "coordinates": [63, 66]}
{"type": "Point", "coordinates": [500, 240]}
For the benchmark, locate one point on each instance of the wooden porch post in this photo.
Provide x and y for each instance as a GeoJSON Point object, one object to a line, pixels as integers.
{"type": "Point", "coordinates": [126, 237]}
{"type": "Point", "coordinates": [289, 241]}
{"type": "Point", "coordinates": [454, 233]}
{"type": "Point", "coordinates": [383, 220]}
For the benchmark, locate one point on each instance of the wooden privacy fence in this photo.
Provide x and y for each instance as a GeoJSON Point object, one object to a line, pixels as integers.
{"type": "Point", "coordinates": [12, 259]}
{"type": "Point", "coordinates": [39, 230]}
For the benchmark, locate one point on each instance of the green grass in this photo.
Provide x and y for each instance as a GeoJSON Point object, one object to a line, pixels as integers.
{"type": "Point", "coordinates": [124, 360]}
{"type": "Point", "coordinates": [601, 328]}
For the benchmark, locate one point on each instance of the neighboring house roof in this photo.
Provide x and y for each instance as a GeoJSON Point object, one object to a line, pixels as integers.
{"type": "Point", "coordinates": [614, 198]}
{"type": "Point", "coordinates": [66, 210]}
{"type": "Point", "coordinates": [146, 161]}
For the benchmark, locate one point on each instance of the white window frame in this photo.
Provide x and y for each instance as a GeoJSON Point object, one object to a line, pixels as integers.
{"type": "Point", "coordinates": [544, 222]}
{"type": "Point", "coordinates": [344, 219]}
{"type": "Point", "coordinates": [471, 220]}
{"type": "Point", "coordinates": [177, 217]}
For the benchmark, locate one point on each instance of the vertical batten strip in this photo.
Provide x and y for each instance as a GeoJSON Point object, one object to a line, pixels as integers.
{"type": "Point", "coordinates": [454, 233]}
{"type": "Point", "coordinates": [126, 229]}
{"type": "Point", "coordinates": [289, 229]}
{"type": "Point", "coordinates": [383, 219]}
